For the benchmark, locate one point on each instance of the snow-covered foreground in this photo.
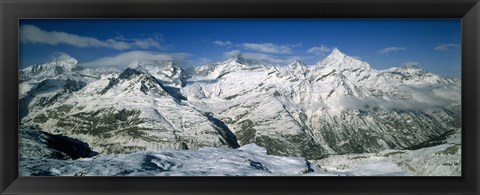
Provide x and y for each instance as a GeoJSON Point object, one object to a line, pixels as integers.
{"type": "Point", "coordinates": [443, 159]}
{"type": "Point", "coordinates": [248, 160]}
{"type": "Point", "coordinates": [440, 160]}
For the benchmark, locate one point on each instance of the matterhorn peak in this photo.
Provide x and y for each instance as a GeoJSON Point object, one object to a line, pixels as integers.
{"type": "Point", "coordinates": [335, 56]}
{"type": "Point", "coordinates": [336, 52]}
{"type": "Point", "coordinates": [341, 61]}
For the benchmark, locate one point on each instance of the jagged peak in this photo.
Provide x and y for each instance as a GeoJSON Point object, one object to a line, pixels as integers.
{"type": "Point", "coordinates": [339, 60]}
{"type": "Point", "coordinates": [336, 52]}
{"type": "Point", "coordinates": [129, 72]}
{"type": "Point", "coordinates": [337, 55]}
{"type": "Point", "coordinates": [157, 67]}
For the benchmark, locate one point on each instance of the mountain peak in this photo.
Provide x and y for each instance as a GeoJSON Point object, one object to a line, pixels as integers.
{"type": "Point", "coordinates": [336, 52]}
{"type": "Point", "coordinates": [341, 61]}
{"type": "Point", "coordinates": [336, 55]}
{"type": "Point", "coordinates": [165, 71]}
{"type": "Point", "coordinates": [238, 59]}
{"type": "Point", "coordinates": [296, 63]}
{"type": "Point", "coordinates": [410, 66]}
{"type": "Point", "coordinates": [57, 66]}
{"type": "Point", "coordinates": [64, 59]}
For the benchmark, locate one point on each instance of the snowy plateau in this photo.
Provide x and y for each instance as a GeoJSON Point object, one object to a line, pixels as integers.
{"type": "Point", "coordinates": [239, 117]}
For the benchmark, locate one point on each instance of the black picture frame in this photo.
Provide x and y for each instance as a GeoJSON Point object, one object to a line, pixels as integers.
{"type": "Point", "coordinates": [12, 10]}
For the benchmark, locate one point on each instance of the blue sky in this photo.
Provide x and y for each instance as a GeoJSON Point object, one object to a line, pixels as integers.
{"type": "Point", "coordinates": [432, 44]}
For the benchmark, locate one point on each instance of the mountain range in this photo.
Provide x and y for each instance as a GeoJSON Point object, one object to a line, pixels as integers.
{"type": "Point", "coordinates": [340, 105]}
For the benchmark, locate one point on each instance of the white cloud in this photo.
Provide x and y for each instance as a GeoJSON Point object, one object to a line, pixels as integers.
{"type": "Point", "coordinates": [122, 60]}
{"type": "Point", "coordinates": [35, 35]}
{"type": "Point", "coordinates": [222, 43]}
{"type": "Point", "coordinates": [268, 48]}
{"type": "Point", "coordinates": [390, 50]}
{"type": "Point", "coordinates": [445, 46]}
{"type": "Point", "coordinates": [319, 50]}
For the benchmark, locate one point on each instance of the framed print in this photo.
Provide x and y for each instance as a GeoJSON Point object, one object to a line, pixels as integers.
{"type": "Point", "coordinates": [216, 101]}
{"type": "Point", "coordinates": [285, 97]}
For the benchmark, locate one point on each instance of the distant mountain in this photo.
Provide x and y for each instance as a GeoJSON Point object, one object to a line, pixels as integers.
{"type": "Point", "coordinates": [340, 105]}
{"type": "Point", "coordinates": [58, 66]}
{"type": "Point", "coordinates": [413, 75]}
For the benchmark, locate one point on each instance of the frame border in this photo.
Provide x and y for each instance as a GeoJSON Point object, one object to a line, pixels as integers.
{"type": "Point", "coordinates": [12, 10]}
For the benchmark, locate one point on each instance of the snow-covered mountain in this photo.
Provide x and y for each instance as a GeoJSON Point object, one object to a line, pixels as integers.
{"type": "Point", "coordinates": [340, 105]}
{"type": "Point", "coordinates": [165, 72]}
{"type": "Point", "coordinates": [58, 66]}
{"type": "Point", "coordinates": [121, 113]}
{"type": "Point", "coordinates": [413, 75]}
